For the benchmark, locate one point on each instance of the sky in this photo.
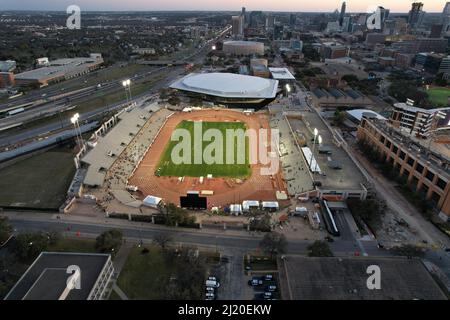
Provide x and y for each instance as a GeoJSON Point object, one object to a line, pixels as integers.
{"type": "Point", "coordinates": [218, 5]}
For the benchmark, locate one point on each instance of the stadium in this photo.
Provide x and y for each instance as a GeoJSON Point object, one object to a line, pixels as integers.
{"type": "Point", "coordinates": [131, 161]}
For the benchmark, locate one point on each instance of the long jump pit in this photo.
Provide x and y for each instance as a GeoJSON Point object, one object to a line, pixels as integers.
{"type": "Point", "coordinates": [221, 191]}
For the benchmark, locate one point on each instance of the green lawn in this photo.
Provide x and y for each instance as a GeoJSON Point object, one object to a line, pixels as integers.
{"type": "Point", "coordinates": [143, 275]}
{"type": "Point", "coordinates": [73, 245]}
{"type": "Point", "coordinates": [39, 182]}
{"type": "Point", "coordinates": [167, 167]}
{"type": "Point", "coordinates": [439, 96]}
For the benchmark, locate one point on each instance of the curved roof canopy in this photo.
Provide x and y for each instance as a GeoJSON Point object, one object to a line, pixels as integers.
{"type": "Point", "coordinates": [228, 85]}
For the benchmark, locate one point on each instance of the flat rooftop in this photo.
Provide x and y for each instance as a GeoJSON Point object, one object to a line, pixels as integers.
{"type": "Point", "coordinates": [228, 85]}
{"type": "Point", "coordinates": [59, 68]}
{"type": "Point", "coordinates": [281, 74]}
{"type": "Point", "coordinates": [46, 278]}
{"type": "Point", "coordinates": [348, 177]}
{"type": "Point", "coordinates": [312, 278]}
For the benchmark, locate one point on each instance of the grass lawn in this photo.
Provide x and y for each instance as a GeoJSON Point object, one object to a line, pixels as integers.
{"type": "Point", "coordinates": [39, 182]}
{"type": "Point", "coordinates": [143, 275]}
{"type": "Point", "coordinates": [167, 167]}
{"type": "Point", "coordinates": [73, 245]}
{"type": "Point", "coordinates": [439, 95]}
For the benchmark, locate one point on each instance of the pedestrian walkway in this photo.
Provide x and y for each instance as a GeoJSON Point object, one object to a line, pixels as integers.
{"type": "Point", "coordinates": [119, 291]}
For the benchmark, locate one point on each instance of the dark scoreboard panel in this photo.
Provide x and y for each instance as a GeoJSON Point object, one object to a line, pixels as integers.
{"type": "Point", "coordinates": [193, 202]}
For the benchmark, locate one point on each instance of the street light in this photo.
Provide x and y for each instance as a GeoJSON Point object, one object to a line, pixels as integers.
{"type": "Point", "coordinates": [127, 85]}
{"type": "Point", "coordinates": [76, 125]}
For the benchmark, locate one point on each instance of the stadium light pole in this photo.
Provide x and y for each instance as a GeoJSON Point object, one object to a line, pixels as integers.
{"type": "Point", "coordinates": [76, 125]}
{"type": "Point", "coordinates": [126, 84]}
{"type": "Point", "coordinates": [316, 132]}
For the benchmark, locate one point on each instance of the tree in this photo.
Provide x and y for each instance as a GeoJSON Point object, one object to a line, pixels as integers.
{"type": "Point", "coordinates": [162, 240]}
{"type": "Point", "coordinates": [273, 243]}
{"type": "Point", "coordinates": [319, 249]}
{"type": "Point", "coordinates": [109, 241]}
{"type": "Point", "coordinates": [262, 224]}
{"type": "Point", "coordinates": [339, 117]}
{"type": "Point", "coordinates": [27, 246]}
{"type": "Point", "coordinates": [5, 229]}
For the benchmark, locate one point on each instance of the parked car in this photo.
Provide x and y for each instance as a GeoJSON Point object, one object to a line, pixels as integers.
{"type": "Point", "coordinates": [271, 288]}
{"type": "Point", "coordinates": [268, 277]}
{"type": "Point", "coordinates": [210, 296]}
{"type": "Point", "coordinates": [210, 289]}
{"type": "Point", "coordinates": [212, 283]}
{"type": "Point", "coordinates": [255, 282]}
{"type": "Point", "coordinates": [212, 278]}
{"type": "Point", "coordinates": [267, 295]}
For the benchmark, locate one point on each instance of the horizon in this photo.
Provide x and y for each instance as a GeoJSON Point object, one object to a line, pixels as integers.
{"type": "Point", "coordinates": [353, 6]}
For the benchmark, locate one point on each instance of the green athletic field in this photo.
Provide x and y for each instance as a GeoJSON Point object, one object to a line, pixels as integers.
{"type": "Point", "coordinates": [168, 168]}
{"type": "Point", "coordinates": [439, 96]}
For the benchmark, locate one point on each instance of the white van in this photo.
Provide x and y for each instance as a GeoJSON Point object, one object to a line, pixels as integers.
{"type": "Point", "coordinates": [212, 283]}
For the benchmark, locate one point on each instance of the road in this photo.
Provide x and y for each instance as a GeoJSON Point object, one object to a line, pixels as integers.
{"type": "Point", "coordinates": [213, 238]}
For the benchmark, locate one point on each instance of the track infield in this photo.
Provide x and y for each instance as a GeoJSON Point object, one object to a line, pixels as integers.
{"type": "Point", "coordinates": [167, 167]}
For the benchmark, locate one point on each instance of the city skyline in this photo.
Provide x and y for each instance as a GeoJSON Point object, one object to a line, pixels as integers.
{"type": "Point", "coordinates": [231, 5]}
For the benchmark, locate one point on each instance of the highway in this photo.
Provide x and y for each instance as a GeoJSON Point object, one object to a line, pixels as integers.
{"type": "Point", "coordinates": [60, 102]}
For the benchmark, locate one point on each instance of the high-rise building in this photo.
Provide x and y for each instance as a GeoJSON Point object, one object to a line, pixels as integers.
{"type": "Point", "coordinates": [292, 19]}
{"type": "Point", "coordinates": [270, 22]}
{"type": "Point", "coordinates": [446, 10]}
{"type": "Point", "coordinates": [237, 25]}
{"type": "Point", "coordinates": [342, 14]}
{"type": "Point", "coordinates": [415, 15]}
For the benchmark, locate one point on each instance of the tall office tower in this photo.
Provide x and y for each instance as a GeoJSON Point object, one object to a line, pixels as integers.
{"type": "Point", "coordinates": [256, 19]}
{"type": "Point", "coordinates": [384, 16]}
{"type": "Point", "coordinates": [446, 17]}
{"type": "Point", "coordinates": [415, 14]}
{"type": "Point", "coordinates": [446, 10]}
{"type": "Point", "coordinates": [342, 13]}
{"type": "Point", "coordinates": [292, 19]}
{"type": "Point", "coordinates": [270, 22]}
{"type": "Point", "coordinates": [237, 25]}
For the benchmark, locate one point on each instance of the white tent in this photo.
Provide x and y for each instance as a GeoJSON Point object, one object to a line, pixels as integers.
{"type": "Point", "coordinates": [247, 204]}
{"type": "Point", "coordinates": [235, 209]}
{"type": "Point", "coordinates": [151, 201]}
{"type": "Point", "coordinates": [270, 205]}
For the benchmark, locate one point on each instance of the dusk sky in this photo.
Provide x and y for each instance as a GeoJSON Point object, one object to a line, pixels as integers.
{"type": "Point", "coordinates": [235, 5]}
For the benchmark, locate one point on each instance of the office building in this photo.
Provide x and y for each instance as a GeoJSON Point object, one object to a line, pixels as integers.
{"type": "Point", "coordinates": [46, 278]}
{"type": "Point", "coordinates": [424, 165]}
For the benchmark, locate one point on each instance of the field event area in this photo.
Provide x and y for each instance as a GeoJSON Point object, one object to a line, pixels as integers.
{"type": "Point", "coordinates": [239, 167]}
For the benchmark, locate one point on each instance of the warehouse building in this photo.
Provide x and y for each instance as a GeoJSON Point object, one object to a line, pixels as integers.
{"type": "Point", "coordinates": [59, 70]}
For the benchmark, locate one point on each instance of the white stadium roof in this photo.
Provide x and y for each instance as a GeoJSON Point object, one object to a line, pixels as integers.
{"type": "Point", "coordinates": [228, 85]}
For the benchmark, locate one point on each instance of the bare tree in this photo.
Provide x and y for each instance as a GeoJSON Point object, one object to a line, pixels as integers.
{"type": "Point", "coordinates": [162, 240]}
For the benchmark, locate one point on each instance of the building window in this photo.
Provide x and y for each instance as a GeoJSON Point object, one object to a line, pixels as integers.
{"type": "Point", "coordinates": [388, 144]}
{"type": "Point", "coordinates": [382, 139]}
{"type": "Point", "coordinates": [441, 184]}
{"type": "Point", "coordinates": [430, 176]}
{"type": "Point", "coordinates": [410, 161]}
{"type": "Point", "coordinates": [395, 149]}
{"type": "Point", "coordinates": [419, 168]}
{"type": "Point", "coordinates": [402, 155]}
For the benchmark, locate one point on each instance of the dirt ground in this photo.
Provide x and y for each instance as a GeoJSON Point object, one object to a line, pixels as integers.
{"type": "Point", "coordinates": [226, 191]}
